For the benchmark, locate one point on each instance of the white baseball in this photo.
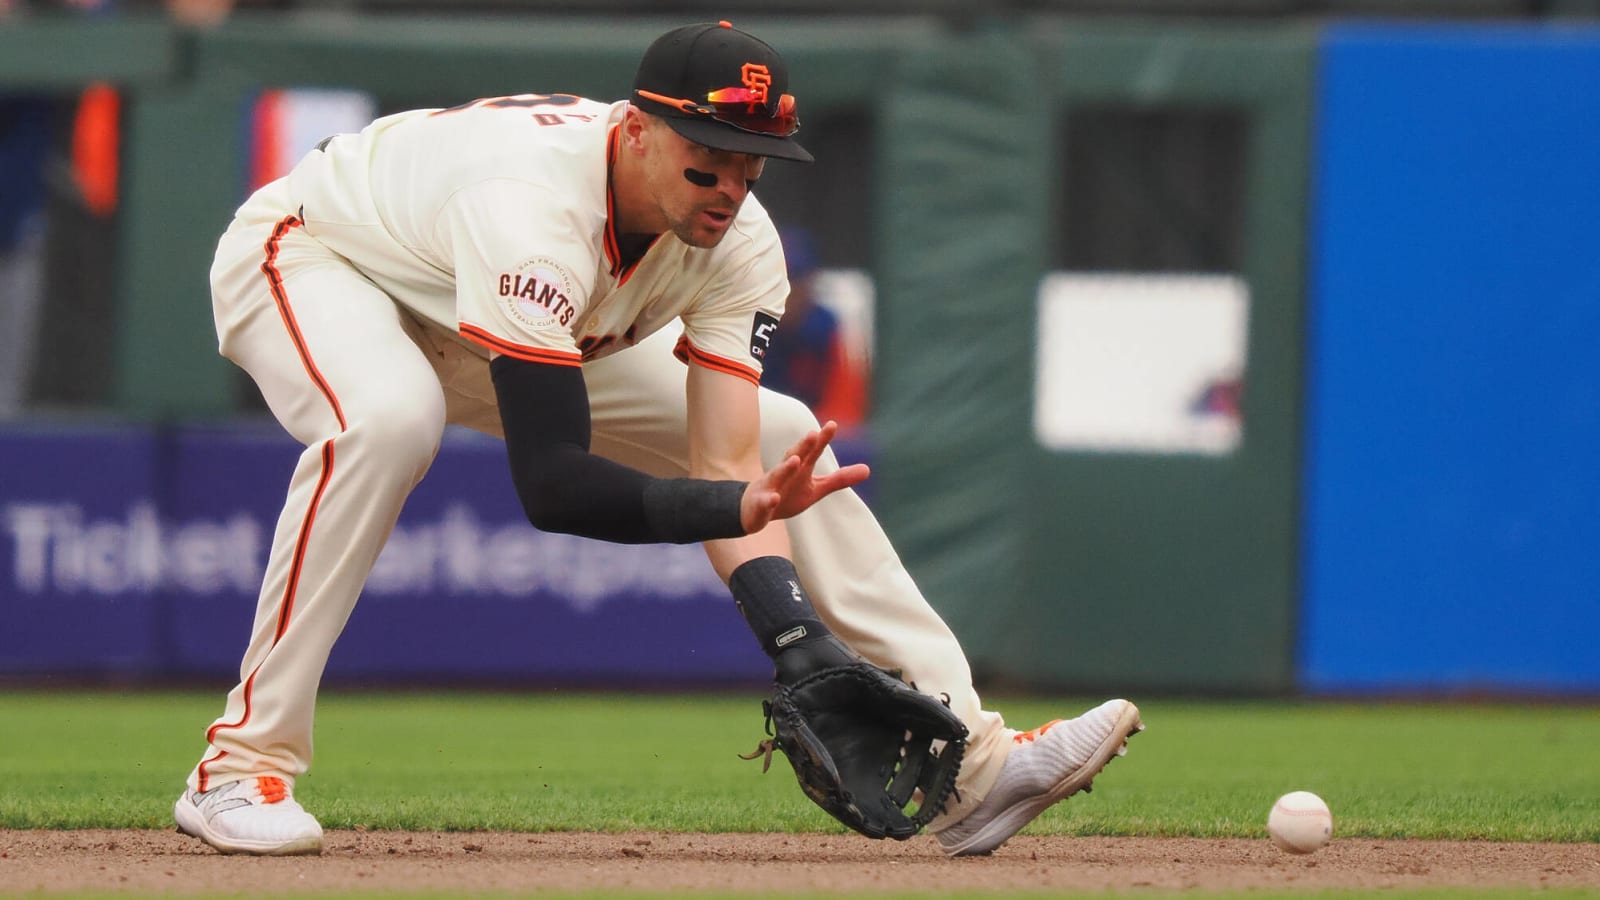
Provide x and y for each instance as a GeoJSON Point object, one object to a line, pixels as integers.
{"type": "Point", "coordinates": [1300, 822]}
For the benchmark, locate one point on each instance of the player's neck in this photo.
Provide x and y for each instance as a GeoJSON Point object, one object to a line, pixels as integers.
{"type": "Point", "coordinates": [631, 209]}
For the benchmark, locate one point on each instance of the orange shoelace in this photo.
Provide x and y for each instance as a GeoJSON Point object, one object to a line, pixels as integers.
{"type": "Point", "coordinates": [273, 790]}
{"type": "Point", "coordinates": [1028, 737]}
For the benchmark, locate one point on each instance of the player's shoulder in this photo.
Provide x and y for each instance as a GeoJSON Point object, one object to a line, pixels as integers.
{"type": "Point", "coordinates": [752, 235]}
{"type": "Point", "coordinates": [545, 109]}
{"type": "Point", "coordinates": [537, 124]}
{"type": "Point", "coordinates": [556, 142]}
{"type": "Point", "coordinates": [747, 262]}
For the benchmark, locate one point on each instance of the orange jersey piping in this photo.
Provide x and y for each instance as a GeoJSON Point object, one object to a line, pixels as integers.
{"type": "Point", "coordinates": [613, 248]}
{"type": "Point", "coordinates": [689, 353]}
{"type": "Point", "coordinates": [519, 351]}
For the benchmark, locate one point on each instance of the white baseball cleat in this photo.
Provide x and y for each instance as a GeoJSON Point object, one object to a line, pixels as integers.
{"type": "Point", "coordinates": [1047, 765]}
{"type": "Point", "coordinates": [257, 816]}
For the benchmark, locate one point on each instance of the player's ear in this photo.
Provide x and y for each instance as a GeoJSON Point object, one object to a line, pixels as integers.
{"type": "Point", "coordinates": [636, 126]}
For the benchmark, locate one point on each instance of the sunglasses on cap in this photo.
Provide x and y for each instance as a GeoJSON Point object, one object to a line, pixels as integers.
{"type": "Point", "coordinates": [741, 107]}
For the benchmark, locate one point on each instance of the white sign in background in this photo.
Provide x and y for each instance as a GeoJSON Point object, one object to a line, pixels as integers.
{"type": "Point", "coordinates": [1140, 363]}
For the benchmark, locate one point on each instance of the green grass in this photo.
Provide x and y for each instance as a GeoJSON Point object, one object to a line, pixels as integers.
{"type": "Point", "coordinates": [555, 761]}
{"type": "Point", "coordinates": [1387, 894]}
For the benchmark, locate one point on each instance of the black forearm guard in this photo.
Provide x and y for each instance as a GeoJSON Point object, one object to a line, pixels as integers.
{"type": "Point", "coordinates": [682, 507]}
{"type": "Point", "coordinates": [544, 410]}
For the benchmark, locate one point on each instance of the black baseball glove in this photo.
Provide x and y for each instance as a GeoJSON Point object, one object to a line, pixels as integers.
{"type": "Point", "coordinates": [861, 740]}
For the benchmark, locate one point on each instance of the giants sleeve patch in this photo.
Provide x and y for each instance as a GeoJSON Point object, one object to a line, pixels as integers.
{"type": "Point", "coordinates": [761, 334]}
{"type": "Point", "coordinates": [538, 293]}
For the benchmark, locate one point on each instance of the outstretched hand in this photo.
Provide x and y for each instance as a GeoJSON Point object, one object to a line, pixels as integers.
{"type": "Point", "coordinates": [791, 487]}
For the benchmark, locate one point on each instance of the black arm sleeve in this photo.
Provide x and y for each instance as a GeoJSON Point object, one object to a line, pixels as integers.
{"type": "Point", "coordinates": [544, 410]}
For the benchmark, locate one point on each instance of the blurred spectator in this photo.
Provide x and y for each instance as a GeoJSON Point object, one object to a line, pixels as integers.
{"type": "Point", "coordinates": [60, 167]}
{"type": "Point", "coordinates": [807, 359]}
{"type": "Point", "coordinates": [285, 124]}
{"type": "Point", "coordinates": [26, 127]}
{"type": "Point", "coordinates": [189, 12]}
{"type": "Point", "coordinates": [25, 135]}
{"type": "Point", "coordinates": [199, 13]}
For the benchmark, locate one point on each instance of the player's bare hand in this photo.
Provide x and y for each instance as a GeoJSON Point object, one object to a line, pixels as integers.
{"type": "Point", "coordinates": [792, 486]}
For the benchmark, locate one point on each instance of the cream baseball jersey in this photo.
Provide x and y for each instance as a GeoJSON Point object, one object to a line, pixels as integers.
{"type": "Point", "coordinates": [494, 219]}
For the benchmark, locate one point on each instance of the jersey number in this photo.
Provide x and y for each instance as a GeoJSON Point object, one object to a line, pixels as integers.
{"type": "Point", "coordinates": [593, 343]}
{"type": "Point", "coordinates": [520, 101]}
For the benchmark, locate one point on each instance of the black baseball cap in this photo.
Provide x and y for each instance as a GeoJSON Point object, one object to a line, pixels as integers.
{"type": "Point", "coordinates": [718, 86]}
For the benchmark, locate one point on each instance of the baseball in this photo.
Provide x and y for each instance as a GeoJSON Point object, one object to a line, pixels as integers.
{"type": "Point", "coordinates": [1300, 822]}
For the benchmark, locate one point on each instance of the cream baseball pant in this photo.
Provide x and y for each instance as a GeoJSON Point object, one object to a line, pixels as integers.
{"type": "Point", "coordinates": [368, 389]}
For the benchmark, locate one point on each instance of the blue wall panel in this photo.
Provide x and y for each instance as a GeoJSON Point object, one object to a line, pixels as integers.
{"type": "Point", "coordinates": [1452, 493]}
{"type": "Point", "coordinates": [75, 561]}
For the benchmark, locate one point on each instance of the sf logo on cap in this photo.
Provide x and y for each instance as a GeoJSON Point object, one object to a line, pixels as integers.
{"type": "Point", "coordinates": [756, 77]}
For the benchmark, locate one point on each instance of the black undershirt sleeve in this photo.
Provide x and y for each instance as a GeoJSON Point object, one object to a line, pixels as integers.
{"type": "Point", "coordinates": [544, 410]}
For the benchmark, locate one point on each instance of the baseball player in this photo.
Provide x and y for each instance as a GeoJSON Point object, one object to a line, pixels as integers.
{"type": "Point", "coordinates": [486, 265]}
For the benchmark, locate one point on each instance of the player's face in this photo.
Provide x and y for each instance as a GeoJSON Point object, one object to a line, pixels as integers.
{"type": "Point", "coordinates": [696, 209]}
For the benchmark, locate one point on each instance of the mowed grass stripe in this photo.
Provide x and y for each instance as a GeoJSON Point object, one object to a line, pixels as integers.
{"type": "Point", "coordinates": [545, 761]}
{"type": "Point", "coordinates": [1386, 894]}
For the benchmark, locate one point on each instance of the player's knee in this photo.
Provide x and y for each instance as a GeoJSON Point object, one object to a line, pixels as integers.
{"type": "Point", "coordinates": [784, 415]}
{"type": "Point", "coordinates": [784, 421]}
{"type": "Point", "coordinates": [403, 436]}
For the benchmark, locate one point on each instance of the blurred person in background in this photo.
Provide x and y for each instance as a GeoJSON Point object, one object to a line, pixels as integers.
{"type": "Point", "coordinates": [188, 12]}
{"type": "Point", "coordinates": [27, 136]}
{"type": "Point", "coordinates": [26, 129]}
{"type": "Point", "coordinates": [808, 359]}
{"type": "Point", "coordinates": [59, 190]}
{"type": "Point", "coordinates": [199, 13]}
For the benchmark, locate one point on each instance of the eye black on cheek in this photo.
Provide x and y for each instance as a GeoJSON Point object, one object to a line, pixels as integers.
{"type": "Point", "coordinates": [697, 177]}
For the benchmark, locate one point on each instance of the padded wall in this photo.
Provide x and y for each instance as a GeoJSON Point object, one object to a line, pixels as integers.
{"type": "Point", "coordinates": [1450, 528]}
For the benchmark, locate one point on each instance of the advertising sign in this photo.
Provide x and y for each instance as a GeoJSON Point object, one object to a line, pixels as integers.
{"type": "Point", "coordinates": [139, 552]}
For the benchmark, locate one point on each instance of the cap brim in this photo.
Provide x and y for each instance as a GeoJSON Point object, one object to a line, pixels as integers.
{"type": "Point", "coordinates": [721, 136]}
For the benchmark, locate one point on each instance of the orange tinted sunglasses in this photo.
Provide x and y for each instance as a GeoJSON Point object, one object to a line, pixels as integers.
{"type": "Point", "coordinates": [740, 107]}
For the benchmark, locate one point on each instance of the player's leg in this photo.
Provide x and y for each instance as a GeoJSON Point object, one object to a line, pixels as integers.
{"type": "Point", "coordinates": [861, 589]}
{"type": "Point", "coordinates": [328, 351]}
{"type": "Point", "coordinates": [867, 597]}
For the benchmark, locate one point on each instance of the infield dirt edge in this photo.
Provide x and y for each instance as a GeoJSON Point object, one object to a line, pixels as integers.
{"type": "Point", "coordinates": [165, 862]}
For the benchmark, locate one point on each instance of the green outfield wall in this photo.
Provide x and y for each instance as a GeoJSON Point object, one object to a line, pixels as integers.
{"type": "Point", "coordinates": [1116, 570]}
{"type": "Point", "coordinates": [1056, 569]}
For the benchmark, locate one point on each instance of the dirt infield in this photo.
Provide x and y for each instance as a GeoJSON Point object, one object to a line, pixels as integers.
{"type": "Point", "coordinates": [166, 862]}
